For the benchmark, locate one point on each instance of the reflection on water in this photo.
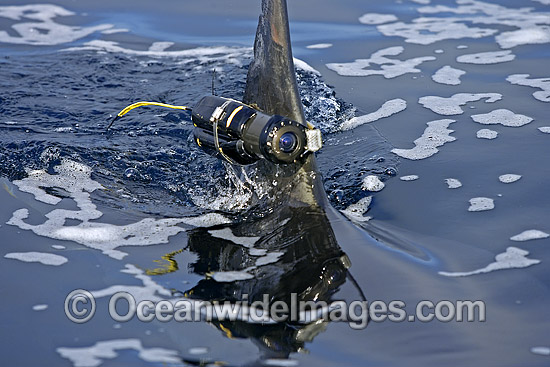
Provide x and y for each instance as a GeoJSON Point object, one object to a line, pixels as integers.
{"type": "Point", "coordinates": [293, 257]}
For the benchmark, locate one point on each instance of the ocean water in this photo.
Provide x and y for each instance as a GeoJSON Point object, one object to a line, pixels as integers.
{"type": "Point", "coordinates": [435, 161]}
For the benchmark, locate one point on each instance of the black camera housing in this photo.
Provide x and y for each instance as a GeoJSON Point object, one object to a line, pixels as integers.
{"type": "Point", "coordinates": [243, 135]}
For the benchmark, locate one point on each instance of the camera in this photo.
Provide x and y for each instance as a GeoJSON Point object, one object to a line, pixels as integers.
{"type": "Point", "coordinates": [241, 134]}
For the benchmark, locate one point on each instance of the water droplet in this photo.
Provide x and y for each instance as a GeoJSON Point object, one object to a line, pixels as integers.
{"type": "Point", "coordinates": [390, 171]}
{"type": "Point", "coordinates": [131, 173]}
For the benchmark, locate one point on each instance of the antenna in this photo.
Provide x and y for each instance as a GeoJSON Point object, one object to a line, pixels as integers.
{"type": "Point", "coordinates": [213, 79]}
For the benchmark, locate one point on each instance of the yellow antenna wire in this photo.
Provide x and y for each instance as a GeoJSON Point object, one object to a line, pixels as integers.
{"type": "Point", "coordinates": [139, 104]}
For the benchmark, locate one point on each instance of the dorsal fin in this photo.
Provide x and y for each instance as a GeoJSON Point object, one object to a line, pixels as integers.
{"type": "Point", "coordinates": [271, 82]}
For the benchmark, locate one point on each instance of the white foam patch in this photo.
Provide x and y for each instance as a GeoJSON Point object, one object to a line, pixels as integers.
{"type": "Point", "coordinates": [543, 2]}
{"type": "Point", "coordinates": [37, 26]}
{"type": "Point", "coordinates": [115, 30]}
{"type": "Point", "coordinates": [509, 178]}
{"type": "Point", "coordinates": [388, 67]}
{"type": "Point", "coordinates": [356, 212]}
{"type": "Point", "coordinates": [280, 362]}
{"type": "Point", "coordinates": [269, 258]}
{"type": "Point", "coordinates": [531, 234]}
{"type": "Point", "coordinates": [160, 46]}
{"type": "Point", "coordinates": [376, 18]}
{"type": "Point", "coordinates": [453, 183]}
{"type": "Point", "coordinates": [503, 117]}
{"type": "Point", "coordinates": [451, 105]}
{"type": "Point", "coordinates": [486, 58]}
{"type": "Point", "coordinates": [226, 234]}
{"type": "Point", "coordinates": [542, 83]}
{"type": "Point", "coordinates": [149, 290]}
{"type": "Point", "coordinates": [542, 351]}
{"type": "Point", "coordinates": [75, 179]}
{"type": "Point", "coordinates": [231, 276]}
{"type": "Point", "coordinates": [58, 247]}
{"type": "Point", "coordinates": [513, 258]}
{"type": "Point", "coordinates": [388, 109]}
{"type": "Point", "coordinates": [95, 355]}
{"type": "Point", "coordinates": [424, 2]}
{"type": "Point", "coordinates": [231, 55]}
{"type": "Point", "coordinates": [409, 178]}
{"type": "Point", "coordinates": [40, 307]}
{"type": "Point", "coordinates": [525, 36]}
{"type": "Point", "coordinates": [481, 204]}
{"type": "Point", "coordinates": [531, 26]}
{"type": "Point", "coordinates": [37, 257]}
{"type": "Point", "coordinates": [425, 31]}
{"type": "Point", "coordinates": [435, 135]}
{"type": "Point", "coordinates": [372, 183]}
{"type": "Point", "coordinates": [486, 134]}
{"type": "Point", "coordinates": [198, 350]}
{"type": "Point", "coordinates": [544, 129]}
{"type": "Point", "coordinates": [448, 75]}
{"type": "Point", "coordinates": [319, 46]}
{"type": "Point", "coordinates": [302, 65]}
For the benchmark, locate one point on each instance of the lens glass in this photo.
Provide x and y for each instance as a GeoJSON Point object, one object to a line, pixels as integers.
{"type": "Point", "coordinates": [288, 142]}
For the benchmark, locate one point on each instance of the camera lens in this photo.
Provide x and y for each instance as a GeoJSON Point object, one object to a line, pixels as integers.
{"type": "Point", "coordinates": [288, 142]}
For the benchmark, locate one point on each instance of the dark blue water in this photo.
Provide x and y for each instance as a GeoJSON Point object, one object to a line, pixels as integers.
{"type": "Point", "coordinates": [60, 88]}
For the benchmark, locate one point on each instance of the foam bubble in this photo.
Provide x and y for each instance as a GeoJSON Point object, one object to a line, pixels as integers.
{"type": "Point", "coordinates": [542, 83]}
{"type": "Point", "coordinates": [39, 257]}
{"type": "Point", "coordinates": [355, 212]}
{"type": "Point", "coordinates": [276, 362]}
{"type": "Point", "coordinates": [502, 116]}
{"type": "Point", "coordinates": [302, 65]}
{"type": "Point", "coordinates": [198, 350]}
{"type": "Point", "coordinates": [544, 129]}
{"type": "Point", "coordinates": [435, 135]}
{"type": "Point", "coordinates": [372, 183]}
{"type": "Point", "coordinates": [58, 247]}
{"type": "Point", "coordinates": [96, 354]}
{"type": "Point", "coordinates": [481, 204]}
{"type": "Point", "coordinates": [485, 58]}
{"type": "Point", "coordinates": [389, 108]}
{"type": "Point", "coordinates": [40, 307]}
{"type": "Point", "coordinates": [448, 75]}
{"type": "Point", "coordinates": [525, 36]}
{"type": "Point", "coordinates": [389, 67]}
{"type": "Point", "coordinates": [409, 178]}
{"type": "Point", "coordinates": [453, 183]}
{"type": "Point", "coordinates": [231, 276]}
{"type": "Point", "coordinates": [226, 234]}
{"type": "Point", "coordinates": [375, 18]}
{"type": "Point", "coordinates": [451, 105]}
{"type": "Point", "coordinates": [486, 134]}
{"type": "Point", "coordinates": [531, 234]}
{"type": "Point", "coordinates": [513, 258]}
{"type": "Point", "coordinates": [42, 29]}
{"type": "Point", "coordinates": [543, 351]}
{"type": "Point", "coordinates": [115, 30]}
{"type": "Point", "coordinates": [319, 46]}
{"type": "Point", "coordinates": [509, 178]}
